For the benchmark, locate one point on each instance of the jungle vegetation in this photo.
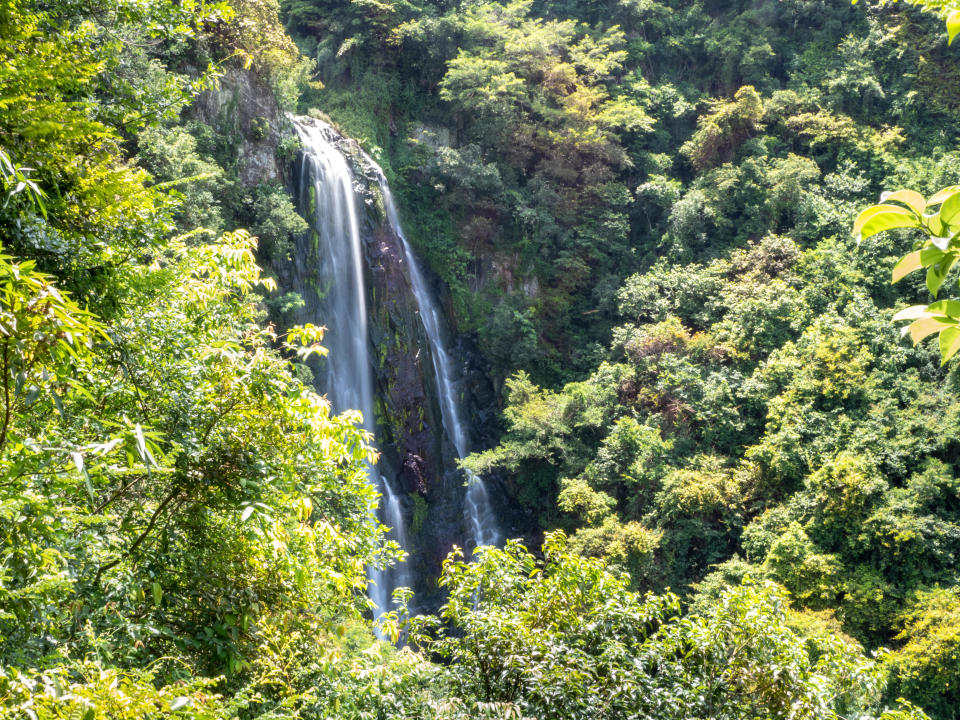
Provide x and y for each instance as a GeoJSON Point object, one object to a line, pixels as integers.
{"type": "Point", "coordinates": [742, 485]}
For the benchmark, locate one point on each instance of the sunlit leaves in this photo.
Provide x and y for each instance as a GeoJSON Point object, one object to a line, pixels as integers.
{"type": "Point", "coordinates": [43, 333]}
{"type": "Point", "coordinates": [953, 26]}
{"type": "Point", "coordinates": [518, 66]}
{"type": "Point", "coordinates": [883, 217]}
{"type": "Point", "coordinates": [481, 84]}
{"type": "Point", "coordinates": [949, 343]}
{"type": "Point", "coordinates": [15, 180]}
{"type": "Point", "coordinates": [912, 199]}
{"type": "Point", "coordinates": [564, 638]}
{"type": "Point", "coordinates": [304, 340]}
{"type": "Point", "coordinates": [906, 265]}
{"type": "Point", "coordinates": [90, 690]}
{"type": "Point", "coordinates": [190, 412]}
{"type": "Point", "coordinates": [721, 131]}
{"type": "Point", "coordinates": [938, 253]}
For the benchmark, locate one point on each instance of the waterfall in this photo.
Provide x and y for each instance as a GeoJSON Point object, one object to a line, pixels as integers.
{"type": "Point", "coordinates": [482, 520]}
{"type": "Point", "coordinates": [329, 204]}
{"type": "Point", "coordinates": [335, 177]}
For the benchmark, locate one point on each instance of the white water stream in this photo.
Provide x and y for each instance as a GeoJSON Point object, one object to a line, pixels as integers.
{"type": "Point", "coordinates": [347, 376]}
{"type": "Point", "coordinates": [327, 190]}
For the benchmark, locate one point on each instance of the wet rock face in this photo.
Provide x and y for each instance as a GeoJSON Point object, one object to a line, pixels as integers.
{"type": "Point", "coordinates": [409, 424]}
{"type": "Point", "coordinates": [416, 455]}
{"type": "Point", "coordinates": [408, 419]}
{"type": "Point", "coordinates": [406, 416]}
{"type": "Point", "coordinates": [482, 405]}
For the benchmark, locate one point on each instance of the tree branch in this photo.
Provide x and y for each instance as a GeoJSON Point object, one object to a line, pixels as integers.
{"type": "Point", "coordinates": [136, 543]}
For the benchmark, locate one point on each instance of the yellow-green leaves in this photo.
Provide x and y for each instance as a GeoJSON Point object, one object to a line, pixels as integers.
{"type": "Point", "coordinates": [906, 265]}
{"type": "Point", "coordinates": [43, 335]}
{"type": "Point", "coordinates": [938, 264]}
{"type": "Point", "coordinates": [304, 341]}
{"type": "Point", "coordinates": [940, 317]}
{"type": "Point", "coordinates": [907, 208]}
{"type": "Point", "coordinates": [911, 198]}
{"type": "Point", "coordinates": [949, 343]}
{"type": "Point", "coordinates": [941, 195]}
{"type": "Point", "coordinates": [938, 253]}
{"type": "Point", "coordinates": [953, 26]}
{"type": "Point", "coordinates": [878, 218]}
{"type": "Point", "coordinates": [950, 208]}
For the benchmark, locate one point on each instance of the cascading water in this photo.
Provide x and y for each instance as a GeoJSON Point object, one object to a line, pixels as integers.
{"type": "Point", "coordinates": [483, 521]}
{"type": "Point", "coordinates": [328, 203]}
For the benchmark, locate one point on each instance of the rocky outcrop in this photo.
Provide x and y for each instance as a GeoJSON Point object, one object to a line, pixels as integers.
{"type": "Point", "coordinates": [415, 448]}
{"type": "Point", "coordinates": [244, 111]}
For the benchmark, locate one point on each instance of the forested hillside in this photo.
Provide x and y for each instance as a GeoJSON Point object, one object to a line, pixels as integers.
{"type": "Point", "coordinates": [738, 483]}
{"type": "Point", "coordinates": [645, 209]}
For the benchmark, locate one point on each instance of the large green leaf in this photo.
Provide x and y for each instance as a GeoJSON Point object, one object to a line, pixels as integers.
{"type": "Point", "coordinates": [950, 210]}
{"type": "Point", "coordinates": [906, 265]}
{"type": "Point", "coordinates": [931, 255]}
{"type": "Point", "coordinates": [950, 308]}
{"type": "Point", "coordinates": [914, 312]}
{"type": "Point", "coordinates": [889, 213]}
{"type": "Point", "coordinates": [878, 218]}
{"type": "Point", "coordinates": [941, 195]}
{"type": "Point", "coordinates": [933, 223]}
{"type": "Point", "coordinates": [949, 344]}
{"type": "Point", "coordinates": [919, 329]}
{"type": "Point", "coordinates": [937, 273]}
{"type": "Point", "coordinates": [953, 26]}
{"type": "Point", "coordinates": [911, 198]}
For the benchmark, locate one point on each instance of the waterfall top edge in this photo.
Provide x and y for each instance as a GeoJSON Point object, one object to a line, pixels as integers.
{"type": "Point", "coordinates": [370, 166]}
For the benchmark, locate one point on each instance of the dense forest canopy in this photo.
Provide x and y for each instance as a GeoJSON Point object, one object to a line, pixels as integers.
{"type": "Point", "coordinates": [739, 484]}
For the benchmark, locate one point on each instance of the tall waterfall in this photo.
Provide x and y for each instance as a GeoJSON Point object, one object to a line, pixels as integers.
{"type": "Point", "coordinates": [329, 203]}
{"type": "Point", "coordinates": [483, 521]}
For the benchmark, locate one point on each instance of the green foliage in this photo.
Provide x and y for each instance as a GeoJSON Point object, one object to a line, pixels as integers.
{"type": "Point", "coordinates": [170, 156]}
{"type": "Point", "coordinates": [172, 498]}
{"type": "Point", "coordinates": [645, 205]}
{"type": "Point", "coordinates": [92, 691]}
{"type": "Point", "coordinates": [928, 659]}
{"type": "Point", "coordinates": [565, 638]}
{"type": "Point", "coordinates": [721, 132]}
{"type": "Point", "coordinates": [937, 254]}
